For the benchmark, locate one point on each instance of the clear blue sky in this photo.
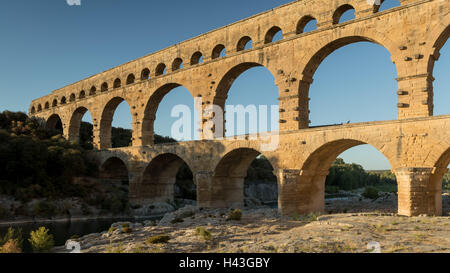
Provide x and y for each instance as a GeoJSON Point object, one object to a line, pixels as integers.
{"type": "Point", "coordinates": [49, 44]}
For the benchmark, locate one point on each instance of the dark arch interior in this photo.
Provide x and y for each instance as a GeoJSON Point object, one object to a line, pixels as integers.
{"type": "Point", "coordinates": [54, 123]}
{"type": "Point", "coordinates": [114, 182]}
{"type": "Point", "coordinates": [244, 43]}
{"type": "Point", "coordinates": [93, 90]}
{"type": "Point", "coordinates": [104, 87]}
{"type": "Point", "coordinates": [160, 69]}
{"type": "Point", "coordinates": [117, 83]}
{"type": "Point", "coordinates": [246, 178]}
{"type": "Point", "coordinates": [131, 79]}
{"type": "Point", "coordinates": [55, 103]}
{"type": "Point", "coordinates": [197, 58]}
{"type": "Point", "coordinates": [72, 97]}
{"type": "Point", "coordinates": [274, 34]}
{"type": "Point", "coordinates": [63, 100]}
{"type": "Point", "coordinates": [82, 95]}
{"type": "Point", "coordinates": [171, 177]}
{"type": "Point", "coordinates": [218, 51]}
{"type": "Point", "coordinates": [177, 64]}
{"type": "Point", "coordinates": [145, 74]}
{"type": "Point", "coordinates": [306, 24]}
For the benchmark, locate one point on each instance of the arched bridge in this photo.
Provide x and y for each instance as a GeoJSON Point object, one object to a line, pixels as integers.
{"type": "Point", "coordinates": [417, 144]}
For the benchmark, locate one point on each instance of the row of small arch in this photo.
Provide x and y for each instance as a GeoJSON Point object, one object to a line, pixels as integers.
{"type": "Point", "coordinates": [197, 58]}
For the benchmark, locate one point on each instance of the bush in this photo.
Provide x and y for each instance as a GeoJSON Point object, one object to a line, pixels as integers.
{"type": "Point", "coordinates": [11, 246]}
{"type": "Point", "coordinates": [13, 235]}
{"type": "Point", "coordinates": [45, 209]}
{"type": "Point", "coordinates": [41, 241]}
{"type": "Point", "coordinates": [371, 193]}
{"type": "Point", "coordinates": [234, 215]}
{"type": "Point", "coordinates": [204, 233]}
{"type": "Point", "coordinates": [112, 229]}
{"type": "Point", "coordinates": [158, 239]}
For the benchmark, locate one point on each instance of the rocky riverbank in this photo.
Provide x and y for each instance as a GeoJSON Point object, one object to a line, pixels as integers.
{"type": "Point", "coordinates": [260, 230]}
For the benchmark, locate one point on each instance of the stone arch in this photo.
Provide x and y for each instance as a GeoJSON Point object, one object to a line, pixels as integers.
{"type": "Point", "coordinates": [55, 103]}
{"type": "Point", "coordinates": [217, 51]}
{"type": "Point", "coordinates": [196, 58]}
{"type": "Point", "coordinates": [439, 37]}
{"type": "Point", "coordinates": [271, 34]}
{"type": "Point", "coordinates": [39, 108]}
{"type": "Point", "coordinates": [63, 100]}
{"type": "Point", "coordinates": [378, 8]}
{"type": "Point", "coordinates": [82, 94]}
{"type": "Point", "coordinates": [340, 11]}
{"type": "Point", "coordinates": [114, 169]}
{"type": "Point", "coordinates": [131, 79]}
{"type": "Point", "coordinates": [177, 64]}
{"type": "Point", "coordinates": [75, 123]}
{"type": "Point", "coordinates": [303, 22]}
{"type": "Point", "coordinates": [72, 97]}
{"type": "Point", "coordinates": [316, 59]}
{"type": "Point", "coordinates": [47, 105]}
{"type": "Point", "coordinates": [227, 186]}
{"type": "Point", "coordinates": [229, 78]}
{"type": "Point", "coordinates": [106, 121]}
{"type": "Point", "coordinates": [151, 109]}
{"type": "Point", "coordinates": [117, 83]}
{"type": "Point", "coordinates": [242, 43]}
{"type": "Point", "coordinates": [92, 91]}
{"type": "Point", "coordinates": [33, 110]}
{"type": "Point", "coordinates": [104, 87]}
{"type": "Point", "coordinates": [315, 169]}
{"type": "Point", "coordinates": [145, 74]}
{"type": "Point", "coordinates": [54, 122]}
{"type": "Point", "coordinates": [160, 69]}
{"type": "Point", "coordinates": [159, 178]}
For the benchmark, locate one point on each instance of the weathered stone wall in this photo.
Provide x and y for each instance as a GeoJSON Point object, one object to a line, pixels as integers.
{"type": "Point", "coordinates": [417, 145]}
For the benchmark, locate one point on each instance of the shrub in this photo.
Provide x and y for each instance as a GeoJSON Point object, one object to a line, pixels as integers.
{"type": "Point", "coordinates": [11, 246]}
{"type": "Point", "coordinates": [204, 233]}
{"type": "Point", "coordinates": [371, 193]}
{"type": "Point", "coordinates": [158, 239]}
{"type": "Point", "coordinates": [13, 234]}
{"type": "Point", "coordinates": [45, 209]}
{"type": "Point", "coordinates": [234, 215]}
{"type": "Point", "coordinates": [41, 241]}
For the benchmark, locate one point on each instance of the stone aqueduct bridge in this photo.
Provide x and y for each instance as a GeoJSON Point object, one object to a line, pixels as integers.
{"type": "Point", "coordinates": [417, 145]}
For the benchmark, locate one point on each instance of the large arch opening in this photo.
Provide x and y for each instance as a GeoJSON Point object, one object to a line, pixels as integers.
{"type": "Point", "coordinates": [171, 113]}
{"type": "Point", "coordinates": [251, 99]}
{"type": "Point", "coordinates": [345, 179]}
{"type": "Point", "coordinates": [115, 124]}
{"type": "Point", "coordinates": [363, 89]}
{"type": "Point", "coordinates": [244, 177]}
{"type": "Point", "coordinates": [81, 128]}
{"type": "Point", "coordinates": [440, 185]}
{"type": "Point", "coordinates": [54, 124]}
{"type": "Point", "coordinates": [439, 69]}
{"type": "Point", "coordinates": [167, 178]}
{"type": "Point", "coordinates": [114, 179]}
